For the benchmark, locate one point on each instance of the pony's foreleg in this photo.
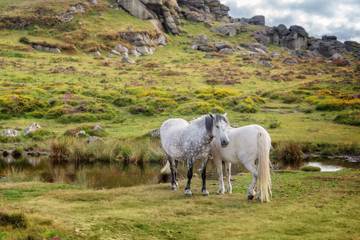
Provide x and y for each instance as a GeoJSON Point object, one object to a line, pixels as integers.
{"type": "Point", "coordinates": [252, 168]}
{"type": "Point", "coordinates": [218, 164]}
{"type": "Point", "coordinates": [174, 184]}
{"type": "Point", "coordinates": [189, 175]}
{"type": "Point", "coordinates": [203, 178]}
{"type": "Point", "coordinates": [228, 176]}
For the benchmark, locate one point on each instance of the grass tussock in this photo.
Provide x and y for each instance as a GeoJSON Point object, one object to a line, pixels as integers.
{"type": "Point", "coordinates": [290, 154]}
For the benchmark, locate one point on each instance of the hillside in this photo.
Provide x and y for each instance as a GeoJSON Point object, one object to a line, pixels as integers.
{"type": "Point", "coordinates": [64, 65]}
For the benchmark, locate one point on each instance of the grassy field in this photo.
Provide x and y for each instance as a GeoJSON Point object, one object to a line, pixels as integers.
{"type": "Point", "coordinates": [304, 205]}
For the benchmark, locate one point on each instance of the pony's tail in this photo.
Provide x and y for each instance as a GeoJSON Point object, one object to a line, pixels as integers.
{"type": "Point", "coordinates": [166, 169]}
{"type": "Point", "coordinates": [264, 179]}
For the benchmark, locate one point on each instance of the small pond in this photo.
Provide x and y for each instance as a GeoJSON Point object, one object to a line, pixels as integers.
{"type": "Point", "coordinates": [117, 175]}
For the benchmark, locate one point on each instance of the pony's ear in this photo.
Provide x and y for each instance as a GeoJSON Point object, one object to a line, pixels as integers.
{"type": "Point", "coordinates": [212, 116]}
{"type": "Point", "coordinates": [225, 114]}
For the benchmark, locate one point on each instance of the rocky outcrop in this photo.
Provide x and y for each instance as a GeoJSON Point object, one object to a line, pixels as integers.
{"type": "Point", "coordinates": [33, 127]}
{"type": "Point", "coordinates": [293, 38]}
{"type": "Point", "coordinates": [165, 12]}
{"type": "Point", "coordinates": [204, 10]}
{"type": "Point", "coordinates": [231, 29]}
{"type": "Point", "coordinates": [352, 46]}
{"type": "Point", "coordinates": [258, 20]}
{"type": "Point", "coordinates": [327, 46]}
{"type": "Point", "coordinates": [144, 43]}
{"type": "Point", "coordinates": [10, 133]}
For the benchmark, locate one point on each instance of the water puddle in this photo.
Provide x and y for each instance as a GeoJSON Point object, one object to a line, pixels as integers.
{"type": "Point", "coordinates": [325, 167]}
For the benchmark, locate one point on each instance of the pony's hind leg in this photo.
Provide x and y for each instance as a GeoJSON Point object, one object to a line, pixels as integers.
{"type": "Point", "coordinates": [203, 178]}
{"type": "Point", "coordinates": [189, 175]}
{"type": "Point", "coordinates": [218, 164]}
{"type": "Point", "coordinates": [253, 169]}
{"type": "Point", "coordinates": [228, 176]}
{"type": "Point", "coordinates": [174, 184]}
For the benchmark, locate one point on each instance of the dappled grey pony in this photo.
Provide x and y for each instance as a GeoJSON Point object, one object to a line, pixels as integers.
{"type": "Point", "coordinates": [183, 141]}
{"type": "Point", "coordinates": [247, 144]}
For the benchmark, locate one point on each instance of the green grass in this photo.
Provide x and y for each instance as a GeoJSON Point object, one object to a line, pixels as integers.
{"type": "Point", "coordinates": [309, 205]}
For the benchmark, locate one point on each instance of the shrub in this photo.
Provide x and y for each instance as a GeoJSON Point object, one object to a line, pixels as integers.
{"type": "Point", "coordinates": [78, 118]}
{"type": "Point", "coordinates": [164, 103]}
{"type": "Point", "coordinates": [16, 220]}
{"type": "Point", "coordinates": [290, 154]}
{"type": "Point", "coordinates": [58, 111]}
{"type": "Point", "coordinates": [16, 104]}
{"type": "Point", "coordinates": [200, 108]}
{"type": "Point", "coordinates": [338, 104]}
{"type": "Point", "coordinates": [310, 169]}
{"type": "Point", "coordinates": [124, 101]}
{"type": "Point", "coordinates": [146, 110]}
{"type": "Point", "coordinates": [4, 139]}
{"type": "Point", "coordinates": [60, 151]}
{"type": "Point", "coordinates": [274, 124]}
{"type": "Point", "coordinates": [349, 118]}
{"type": "Point", "coordinates": [24, 40]}
{"type": "Point", "coordinates": [40, 134]}
{"type": "Point", "coordinates": [35, 114]}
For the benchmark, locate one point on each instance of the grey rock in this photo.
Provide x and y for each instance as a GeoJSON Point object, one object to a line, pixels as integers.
{"type": "Point", "coordinates": [79, 7]}
{"type": "Point", "coordinates": [127, 60]}
{"type": "Point", "coordinates": [97, 53]}
{"type": "Point", "coordinates": [221, 45]}
{"type": "Point", "coordinates": [10, 133]}
{"type": "Point", "coordinates": [92, 1]}
{"type": "Point", "coordinates": [110, 55]}
{"type": "Point", "coordinates": [207, 48]}
{"type": "Point", "coordinates": [134, 53]}
{"type": "Point", "coordinates": [121, 48]}
{"type": "Point", "coordinates": [257, 20]}
{"type": "Point", "coordinates": [336, 56]}
{"type": "Point", "coordinates": [155, 132]}
{"type": "Point", "coordinates": [33, 127]}
{"type": "Point", "coordinates": [137, 8]}
{"type": "Point", "coordinates": [228, 30]}
{"type": "Point", "coordinates": [290, 61]}
{"type": "Point", "coordinates": [329, 48]}
{"type": "Point", "coordinates": [328, 38]}
{"type": "Point", "coordinates": [115, 52]}
{"type": "Point", "coordinates": [54, 50]}
{"type": "Point", "coordinates": [195, 47]}
{"type": "Point", "coordinates": [352, 46]}
{"type": "Point", "coordinates": [299, 30]}
{"type": "Point", "coordinates": [227, 51]}
{"type": "Point", "coordinates": [94, 139]}
{"type": "Point", "coordinates": [283, 30]}
{"type": "Point", "coordinates": [265, 63]}
{"type": "Point", "coordinates": [98, 128]}
{"type": "Point", "coordinates": [144, 50]}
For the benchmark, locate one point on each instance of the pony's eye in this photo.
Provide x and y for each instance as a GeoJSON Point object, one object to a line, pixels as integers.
{"type": "Point", "coordinates": [217, 126]}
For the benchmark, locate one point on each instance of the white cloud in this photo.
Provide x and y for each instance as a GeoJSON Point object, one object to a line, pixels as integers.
{"type": "Point", "coordinates": [330, 17]}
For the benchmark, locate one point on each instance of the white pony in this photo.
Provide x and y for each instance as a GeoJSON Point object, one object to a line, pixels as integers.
{"type": "Point", "coordinates": [247, 144]}
{"type": "Point", "coordinates": [183, 141]}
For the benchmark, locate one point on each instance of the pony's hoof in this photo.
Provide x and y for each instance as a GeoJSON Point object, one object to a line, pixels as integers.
{"type": "Point", "coordinates": [188, 193]}
{"type": "Point", "coordinates": [229, 191]}
{"type": "Point", "coordinates": [250, 197]}
{"type": "Point", "coordinates": [173, 188]}
{"type": "Point", "coordinates": [205, 192]}
{"type": "Point", "coordinates": [219, 192]}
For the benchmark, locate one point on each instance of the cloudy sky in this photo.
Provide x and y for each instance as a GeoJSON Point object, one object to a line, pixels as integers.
{"type": "Point", "coordinates": [319, 17]}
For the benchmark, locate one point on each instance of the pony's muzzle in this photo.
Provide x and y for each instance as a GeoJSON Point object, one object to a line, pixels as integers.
{"type": "Point", "coordinates": [224, 143]}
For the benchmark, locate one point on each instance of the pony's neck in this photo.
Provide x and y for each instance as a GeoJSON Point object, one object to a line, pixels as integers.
{"type": "Point", "coordinates": [200, 124]}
